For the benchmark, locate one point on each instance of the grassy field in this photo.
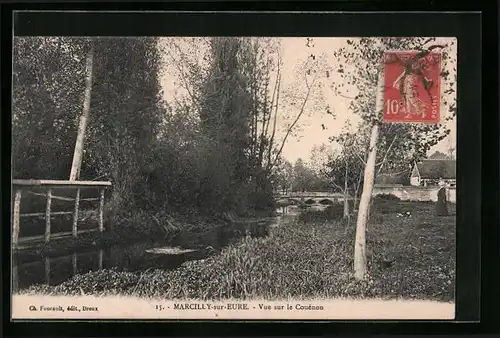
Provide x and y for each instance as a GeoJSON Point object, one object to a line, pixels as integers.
{"type": "Point", "coordinates": [411, 256]}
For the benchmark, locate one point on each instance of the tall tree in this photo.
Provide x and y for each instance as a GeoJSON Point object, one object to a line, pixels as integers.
{"type": "Point", "coordinates": [127, 111]}
{"type": "Point", "coordinates": [344, 168]}
{"type": "Point", "coordinates": [256, 91]}
{"type": "Point", "coordinates": [303, 176]}
{"type": "Point", "coordinates": [225, 113]}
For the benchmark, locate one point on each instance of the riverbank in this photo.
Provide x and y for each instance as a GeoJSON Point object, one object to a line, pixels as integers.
{"type": "Point", "coordinates": [411, 256]}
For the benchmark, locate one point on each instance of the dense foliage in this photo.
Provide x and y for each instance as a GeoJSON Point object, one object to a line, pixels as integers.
{"type": "Point", "coordinates": [47, 96]}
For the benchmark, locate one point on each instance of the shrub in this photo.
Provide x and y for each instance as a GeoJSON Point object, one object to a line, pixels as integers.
{"type": "Point", "coordinates": [387, 197]}
{"type": "Point", "coordinates": [331, 213]}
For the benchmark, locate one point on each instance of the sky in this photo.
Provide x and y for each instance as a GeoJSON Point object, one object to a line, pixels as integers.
{"type": "Point", "coordinates": [315, 126]}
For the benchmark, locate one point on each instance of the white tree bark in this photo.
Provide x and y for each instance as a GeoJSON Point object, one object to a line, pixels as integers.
{"type": "Point", "coordinates": [346, 202]}
{"type": "Point", "coordinates": [78, 154]}
{"type": "Point", "coordinates": [360, 268]}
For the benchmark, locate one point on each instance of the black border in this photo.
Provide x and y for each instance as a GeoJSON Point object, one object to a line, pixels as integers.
{"type": "Point", "coordinates": [465, 26]}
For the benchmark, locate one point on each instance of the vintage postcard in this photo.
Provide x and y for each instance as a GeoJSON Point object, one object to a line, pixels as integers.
{"type": "Point", "coordinates": [271, 178]}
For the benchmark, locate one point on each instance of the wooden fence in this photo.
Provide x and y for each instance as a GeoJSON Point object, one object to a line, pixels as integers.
{"type": "Point", "coordinates": [48, 187]}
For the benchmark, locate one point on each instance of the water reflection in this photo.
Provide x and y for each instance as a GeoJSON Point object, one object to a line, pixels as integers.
{"type": "Point", "coordinates": [132, 257]}
{"type": "Point", "coordinates": [54, 270]}
{"type": "Point", "coordinates": [295, 210]}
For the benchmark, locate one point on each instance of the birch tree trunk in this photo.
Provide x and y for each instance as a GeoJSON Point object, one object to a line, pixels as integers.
{"type": "Point", "coordinates": [360, 268]}
{"type": "Point", "coordinates": [78, 154]}
{"type": "Point", "coordinates": [346, 203]}
{"type": "Point", "coordinates": [356, 194]}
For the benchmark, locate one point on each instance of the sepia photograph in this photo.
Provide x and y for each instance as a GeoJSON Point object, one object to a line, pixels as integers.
{"type": "Point", "coordinates": [216, 177]}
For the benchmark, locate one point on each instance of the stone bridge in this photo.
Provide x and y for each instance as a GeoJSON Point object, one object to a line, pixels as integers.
{"type": "Point", "coordinates": [310, 198]}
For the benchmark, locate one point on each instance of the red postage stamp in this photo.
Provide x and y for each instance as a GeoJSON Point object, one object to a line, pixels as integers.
{"type": "Point", "coordinates": [412, 87]}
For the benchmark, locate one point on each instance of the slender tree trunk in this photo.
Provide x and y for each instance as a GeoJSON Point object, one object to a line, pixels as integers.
{"type": "Point", "coordinates": [358, 185]}
{"type": "Point", "coordinates": [276, 105]}
{"type": "Point", "coordinates": [360, 268]}
{"type": "Point", "coordinates": [78, 154]}
{"type": "Point", "coordinates": [290, 128]}
{"type": "Point", "coordinates": [346, 203]}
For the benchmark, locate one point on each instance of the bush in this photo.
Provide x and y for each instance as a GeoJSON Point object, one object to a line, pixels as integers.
{"type": "Point", "coordinates": [387, 197]}
{"type": "Point", "coordinates": [387, 204]}
{"type": "Point", "coordinates": [333, 212]}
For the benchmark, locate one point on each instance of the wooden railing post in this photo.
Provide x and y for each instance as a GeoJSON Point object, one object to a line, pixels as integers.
{"type": "Point", "coordinates": [75, 214]}
{"type": "Point", "coordinates": [101, 211]}
{"type": "Point", "coordinates": [15, 278]}
{"type": "Point", "coordinates": [75, 263]}
{"type": "Point", "coordinates": [16, 218]}
{"type": "Point", "coordinates": [47, 270]}
{"type": "Point", "coordinates": [101, 258]}
{"type": "Point", "coordinates": [47, 215]}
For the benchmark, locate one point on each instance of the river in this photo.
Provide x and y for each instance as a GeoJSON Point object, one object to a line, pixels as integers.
{"type": "Point", "coordinates": [55, 269]}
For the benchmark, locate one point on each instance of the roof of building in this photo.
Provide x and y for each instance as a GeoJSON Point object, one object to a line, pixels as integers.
{"type": "Point", "coordinates": [437, 168]}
